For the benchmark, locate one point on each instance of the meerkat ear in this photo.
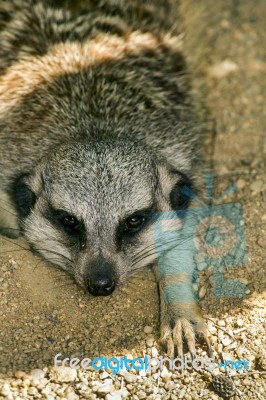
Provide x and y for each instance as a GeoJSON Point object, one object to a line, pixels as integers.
{"type": "Point", "coordinates": [176, 187]}
{"type": "Point", "coordinates": [182, 191]}
{"type": "Point", "coordinates": [23, 195]}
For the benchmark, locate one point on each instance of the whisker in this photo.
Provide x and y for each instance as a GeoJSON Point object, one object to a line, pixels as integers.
{"type": "Point", "coordinates": [150, 253]}
{"type": "Point", "coordinates": [12, 242]}
{"type": "Point", "coordinates": [37, 249]}
{"type": "Point", "coordinates": [59, 278]}
{"type": "Point", "coordinates": [68, 284]}
{"type": "Point", "coordinates": [179, 241]}
{"type": "Point", "coordinates": [6, 201]}
{"type": "Point", "coordinates": [55, 253]}
{"type": "Point", "coordinates": [154, 247]}
{"type": "Point", "coordinates": [8, 211]}
{"type": "Point", "coordinates": [135, 278]}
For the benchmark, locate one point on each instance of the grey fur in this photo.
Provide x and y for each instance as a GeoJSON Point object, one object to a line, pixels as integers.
{"type": "Point", "coordinates": [102, 136]}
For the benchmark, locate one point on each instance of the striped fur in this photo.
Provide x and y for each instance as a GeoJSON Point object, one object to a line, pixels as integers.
{"type": "Point", "coordinates": [96, 113]}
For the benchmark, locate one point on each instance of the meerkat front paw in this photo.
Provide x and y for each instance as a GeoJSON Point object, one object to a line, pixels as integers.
{"type": "Point", "coordinates": [181, 318]}
{"type": "Point", "coordinates": [182, 322]}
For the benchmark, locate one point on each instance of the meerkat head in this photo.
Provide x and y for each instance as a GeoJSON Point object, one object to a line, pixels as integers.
{"type": "Point", "coordinates": [88, 208]}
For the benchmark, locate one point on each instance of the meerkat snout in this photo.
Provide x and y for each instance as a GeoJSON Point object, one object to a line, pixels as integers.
{"type": "Point", "coordinates": [101, 279]}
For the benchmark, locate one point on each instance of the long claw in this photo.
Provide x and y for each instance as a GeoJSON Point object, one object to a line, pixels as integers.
{"type": "Point", "coordinates": [177, 337]}
{"type": "Point", "coordinates": [209, 347]}
{"type": "Point", "coordinates": [170, 348]}
{"type": "Point", "coordinates": [183, 328]}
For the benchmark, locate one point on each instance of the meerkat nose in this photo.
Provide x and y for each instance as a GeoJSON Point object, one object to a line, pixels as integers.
{"type": "Point", "coordinates": [102, 286]}
{"type": "Point", "coordinates": [100, 281]}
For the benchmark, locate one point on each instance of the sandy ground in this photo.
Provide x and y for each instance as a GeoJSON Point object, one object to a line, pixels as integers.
{"type": "Point", "coordinates": [43, 312]}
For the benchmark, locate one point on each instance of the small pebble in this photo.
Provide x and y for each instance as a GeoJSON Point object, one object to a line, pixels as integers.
{"type": "Point", "coordinates": [72, 396]}
{"type": "Point", "coordinates": [240, 322]}
{"type": "Point", "coordinates": [104, 389]}
{"type": "Point", "coordinates": [261, 241]}
{"type": "Point", "coordinates": [6, 390]}
{"type": "Point", "coordinates": [19, 374]}
{"type": "Point", "coordinates": [222, 69]}
{"type": "Point", "coordinates": [142, 373]}
{"type": "Point", "coordinates": [64, 374]}
{"type": "Point", "coordinates": [240, 183]}
{"type": "Point", "coordinates": [226, 341]}
{"type": "Point", "coordinates": [37, 374]}
{"type": "Point", "coordinates": [108, 381]}
{"type": "Point", "coordinates": [154, 352]}
{"type": "Point", "coordinates": [165, 374]}
{"type": "Point", "coordinates": [117, 394]}
{"type": "Point", "coordinates": [202, 292]}
{"type": "Point", "coordinates": [257, 186]}
{"type": "Point", "coordinates": [130, 378]}
{"type": "Point", "coordinates": [149, 342]}
{"type": "Point", "coordinates": [141, 395]}
{"type": "Point", "coordinates": [244, 281]}
{"type": "Point", "coordinates": [261, 360]}
{"type": "Point", "coordinates": [104, 375]}
{"type": "Point", "coordinates": [148, 329]}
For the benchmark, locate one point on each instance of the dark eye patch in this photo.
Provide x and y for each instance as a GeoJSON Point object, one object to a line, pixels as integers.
{"type": "Point", "coordinates": [67, 222]}
{"type": "Point", "coordinates": [182, 192]}
{"type": "Point", "coordinates": [23, 196]}
{"type": "Point", "coordinates": [130, 226]}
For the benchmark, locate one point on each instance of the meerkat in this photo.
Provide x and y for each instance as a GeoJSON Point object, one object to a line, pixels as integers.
{"type": "Point", "coordinates": [98, 133]}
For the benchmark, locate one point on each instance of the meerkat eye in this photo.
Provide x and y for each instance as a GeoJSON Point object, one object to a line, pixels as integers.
{"type": "Point", "coordinates": [67, 223]}
{"type": "Point", "coordinates": [134, 223]}
{"type": "Point", "coordinates": [70, 222]}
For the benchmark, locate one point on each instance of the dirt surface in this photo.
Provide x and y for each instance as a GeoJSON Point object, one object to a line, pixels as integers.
{"type": "Point", "coordinates": [43, 312]}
